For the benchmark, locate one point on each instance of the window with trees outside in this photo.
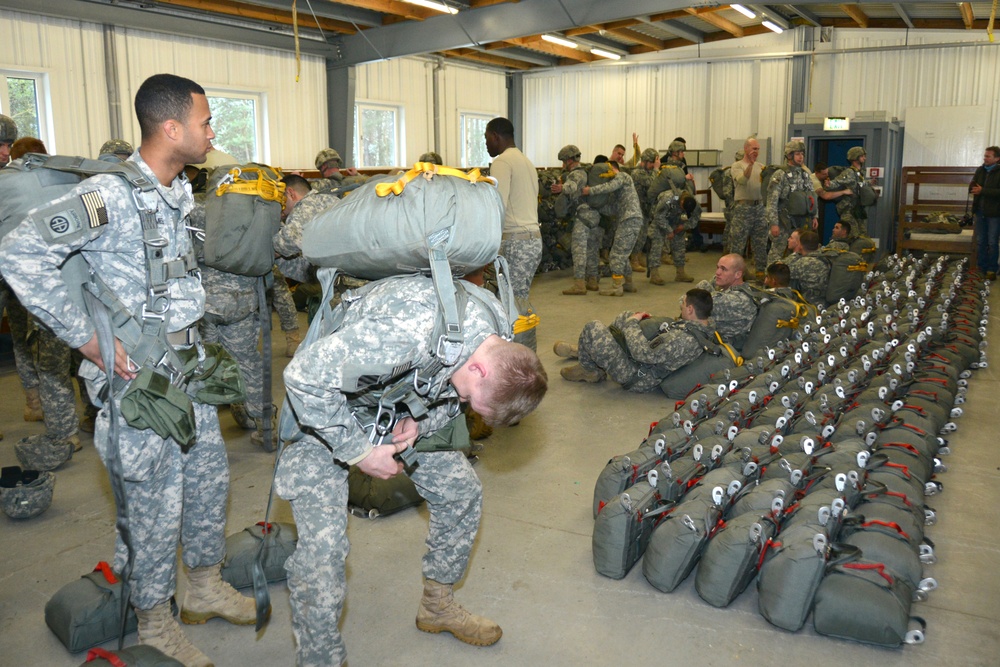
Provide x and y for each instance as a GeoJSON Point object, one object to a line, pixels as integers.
{"type": "Point", "coordinates": [23, 97]}
{"type": "Point", "coordinates": [377, 135]}
{"type": "Point", "coordinates": [238, 122]}
{"type": "Point", "coordinates": [473, 142]}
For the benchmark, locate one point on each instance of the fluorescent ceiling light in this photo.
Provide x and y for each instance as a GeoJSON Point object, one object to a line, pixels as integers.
{"type": "Point", "coordinates": [560, 41]}
{"type": "Point", "coordinates": [436, 6]}
{"type": "Point", "coordinates": [605, 54]}
{"type": "Point", "coordinates": [743, 10]}
{"type": "Point", "coordinates": [771, 26]}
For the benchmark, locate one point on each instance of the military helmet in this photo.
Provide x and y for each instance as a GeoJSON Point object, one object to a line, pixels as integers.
{"type": "Point", "coordinates": [8, 130]}
{"type": "Point", "coordinates": [794, 147]}
{"type": "Point", "coordinates": [25, 493]}
{"type": "Point", "coordinates": [118, 147]}
{"type": "Point", "coordinates": [569, 152]}
{"type": "Point", "coordinates": [327, 155]}
{"type": "Point", "coordinates": [676, 147]}
{"type": "Point", "coordinates": [649, 155]}
{"type": "Point", "coordinates": [855, 153]}
{"type": "Point", "coordinates": [431, 157]}
{"type": "Point", "coordinates": [740, 154]}
{"type": "Point", "coordinates": [42, 452]}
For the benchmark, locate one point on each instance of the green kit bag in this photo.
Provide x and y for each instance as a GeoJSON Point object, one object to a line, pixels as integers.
{"type": "Point", "coordinates": [241, 551]}
{"type": "Point", "coordinates": [152, 402]}
{"type": "Point", "coordinates": [732, 557]}
{"type": "Point", "coordinates": [87, 612]}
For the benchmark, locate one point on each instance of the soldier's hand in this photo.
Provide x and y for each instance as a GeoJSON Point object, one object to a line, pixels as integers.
{"type": "Point", "coordinates": [350, 171]}
{"type": "Point", "coordinates": [640, 316]}
{"type": "Point", "coordinates": [775, 231]}
{"type": "Point", "coordinates": [124, 367]}
{"type": "Point", "coordinates": [635, 139]}
{"type": "Point", "coordinates": [976, 189]}
{"type": "Point", "coordinates": [380, 462]}
{"type": "Point", "coordinates": [815, 223]}
{"type": "Point", "coordinates": [406, 432]}
{"type": "Point", "coordinates": [586, 190]}
{"type": "Point", "coordinates": [556, 188]}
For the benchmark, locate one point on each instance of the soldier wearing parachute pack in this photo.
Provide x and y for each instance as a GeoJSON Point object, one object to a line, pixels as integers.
{"type": "Point", "coordinates": [853, 207]}
{"type": "Point", "coordinates": [791, 200]}
{"type": "Point", "coordinates": [642, 177]}
{"type": "Point", "coordinates": [586, 221]}
{"type": "Point", "coordinates": [673, 217]}
{"type": "Point", "coordinates": [624, 205]}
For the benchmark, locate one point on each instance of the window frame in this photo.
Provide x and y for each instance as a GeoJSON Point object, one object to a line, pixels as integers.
{"type": "Point", "coordinates": [398, 111]}
{"type": "Point", "coordinates": [43, 102]}
{"type": "Point", "coordinates": [259, 98]}
{"type": "Point", "coordinates": [463, 115]}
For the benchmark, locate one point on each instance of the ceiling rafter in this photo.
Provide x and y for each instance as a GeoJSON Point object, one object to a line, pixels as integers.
{"type": "Point", "coordinates": [394, 8]}
{"type": "Point", "coordinates": [638, 37]}
{"type": "Point", "coordinates": [256, 12]}
{"type": "Point", "coordinates": [475, 4]}
{"type": "Point", "coordinates": [536, 43]}
{"type": "Point", "coordinates": [718, 21]}
{"type": "Point", "coordinates": [968, 16]}
{"type": "Point", "coordinates": [903, 14]}
{"type": "Point", "coordinates": [487, 58]}
{"type": "Point", "coordinates": [856, 14]}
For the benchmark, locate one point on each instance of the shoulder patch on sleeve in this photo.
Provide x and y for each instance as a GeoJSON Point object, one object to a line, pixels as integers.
{"type": "Point", "coordinates": [69, 218]}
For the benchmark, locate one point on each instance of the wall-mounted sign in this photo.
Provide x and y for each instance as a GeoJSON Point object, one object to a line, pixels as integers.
{"type": "Point", "coordinates": [836, 124]}
{"type": "Point", "coordinates": [874, 172]}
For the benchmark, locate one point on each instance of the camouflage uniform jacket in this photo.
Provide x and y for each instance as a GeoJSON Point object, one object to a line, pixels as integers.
{"type": "Point", "coordinates": [782, 184]}
{"type": "Point", "coordinates": [108, 232]}
{"type": "Point", "coordinates": [849, 179]}
{"type": "Point", "coordinates": [625, 202]}
{"type": "Point", "coordinates": [574, 181]}
{"type": "Point", "coordinates": [810, 275]}
{"type": "Point", "coordinates": [676, 346]}
{"type": "Point", "coordinates": [390, 325]}
{"type": "Point", "coordinates": [668, 215]}
{"type": "Point", "coordinates": [689, 185]}
{"type": "Point", "coordinates": [733, 310]}
{"type": "Point", "coordinates": [839, 244]}
{"type": "Point", "coordinates": [642, 178]}
{"type": "Point", "coordinates": [288, 240]}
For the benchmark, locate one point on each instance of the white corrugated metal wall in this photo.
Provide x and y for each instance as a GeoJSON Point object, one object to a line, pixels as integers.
{"type": "Point", "coordinates": [409, 83]}
{"type": "Point", "coordinates": [71, 53]}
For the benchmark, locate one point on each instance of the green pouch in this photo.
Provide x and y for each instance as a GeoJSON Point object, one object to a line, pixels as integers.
{"type": "Point", "coordinates": [219, 381]}
{"type": "Point", "coordinates": [152, 402]}
{"type": "Point", "coordinates": [241, 552]}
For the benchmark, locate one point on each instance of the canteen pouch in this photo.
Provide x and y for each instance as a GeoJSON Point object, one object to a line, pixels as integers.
{"type": "Point", "coordinates": [242, 547]}
{"type": "Point", "coordinates": [152, 402]}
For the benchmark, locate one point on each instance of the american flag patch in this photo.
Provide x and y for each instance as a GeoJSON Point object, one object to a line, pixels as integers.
{"type": "Point", "coordinates": [97, 212]}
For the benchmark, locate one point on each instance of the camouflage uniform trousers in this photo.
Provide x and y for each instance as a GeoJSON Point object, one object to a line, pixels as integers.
{"type": "Point", "coordinates": [586, 244]}
{"type": "Point", "coordinates": [20, 329]}
{"type": "Point", "coordinates": [779, 243]}
{"type": "Point", "coordinates": [316, 485]}
{"type": "Point", "coordinates": [748, 224]}
{"type": "Point", "coordinates": [523, 252]}
{"type": "Point", "coordinates": [171, 497]}
{"type": "Point", "coordinates": [641, 237]}
{"type": "Point", "coordinates": [625, 236]}
{"type": "Point", "coordinates": [678, 247]}
{"type": "Point", "coordinates": [598, 349]}
{"type": "Point", "coordinates": [55, 384]}
{"type": "Point", "coordinates": [283, 303]}
{"type": "Point", "coordinates": [727, 231]}
{"type": "Point", "coordinates": [240, 340]}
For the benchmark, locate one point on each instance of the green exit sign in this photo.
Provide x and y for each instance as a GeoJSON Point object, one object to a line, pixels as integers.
{"type": "Point", "coordinates": [835, 124]}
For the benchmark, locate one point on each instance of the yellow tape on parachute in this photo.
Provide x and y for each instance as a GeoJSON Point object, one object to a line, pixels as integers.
{"type": "Point", "coordinates": [253, 181]}
{"type": "Point", "coordinates": [428, 170]}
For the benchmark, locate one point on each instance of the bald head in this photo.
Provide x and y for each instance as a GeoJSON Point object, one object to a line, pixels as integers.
{"type": "Point", "coordinates": [729, 271]}
{"type": "Point", "coordinates": [751, 149]}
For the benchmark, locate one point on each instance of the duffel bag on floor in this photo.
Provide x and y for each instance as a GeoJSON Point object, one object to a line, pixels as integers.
{"type": "Point", "coordinates": [242, 548]}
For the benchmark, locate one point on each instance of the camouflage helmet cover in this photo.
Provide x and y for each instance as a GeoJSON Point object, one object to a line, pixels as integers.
{"type": "Point", "coordinates": [676, 147]}
{"type": "Point", "coordinates": [432, 157]}
{"type": "Point", "coordinates": [855, 153]}
{"type": "Point", "coordinates": [649, 155]}
{"type": "Point", "coordinates": [8, 130]}
{"type": "Point", "coordinates": [42, 452]}
{"type": "Point", "coordinates": [794, 147]}
{"type": "Point", "coordinates": [327, 155]}
{"type": "Point", "coordinates": [25, 493]}
{"type": "Point", "coordinates": [116, 147]}
{"type": "Point", "coordinates": [569, 152]}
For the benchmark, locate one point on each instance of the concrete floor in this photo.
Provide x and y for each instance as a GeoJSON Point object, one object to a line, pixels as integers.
{"type": "Point", "coordinates": [531, 570]}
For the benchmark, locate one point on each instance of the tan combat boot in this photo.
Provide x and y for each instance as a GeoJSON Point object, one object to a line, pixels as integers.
{"type": "Point", "coordinates": [682, 277]}
{"type": "Point", "coordinates": [654, 276]}
{"type": "Point", "coordinates": [32, 406]}
{"type": "Point", "coordinates": [577, 373]}
{"type": "Point", "coordinates": [439, 612]}
{"type": "Point", "coordinates": [579, 287]}
{"type": "Point", "coordinates": [208, 596]}
{"type": "Point", "coordinates": [635, 260]}
{"type": "Point", "coordinates": [159, 629]}
{"type": "Point", "coordinates": [565, 350]}
{"type": "Point", "coordinates": [293, 339]}
{"type": "Point", "coordinates": [667, 258]}
{"type": "Point", "coordinates": [593, 284]}
{"type": "Point", "coordinates": [616, 289]}
{"type": "Point", "coordinates": [628, 285]}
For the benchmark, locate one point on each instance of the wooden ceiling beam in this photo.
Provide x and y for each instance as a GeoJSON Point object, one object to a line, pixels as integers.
{"type": "Point", "coordinates": [487, 58]}
{"type": "Point", "coordinates": [638, 38]}
{"type": "Point", "coordinates": [968, 16]}
{"type": "Point", "coordinates": [392, 7]}
{"type": "Point", "coordinates": [475, 4]}
{"type": "Point", "coordinates": [720, 22]}
{"type": "Point", "coordinates": [856, 14]}
{"type": "Point", "coordinates": [259, 13]}
{"type": "Point", "coordinates": [536, 43]}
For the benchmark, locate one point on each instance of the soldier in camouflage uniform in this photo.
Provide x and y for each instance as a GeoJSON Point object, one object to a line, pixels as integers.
{"type": "Point", "coordinates": [642, 177]}
{"type": "Point", "coordinates": [586, 223]}
{"type": "Point", "coordinates": [673, 217]}
{"type": "Point", "coordinates": [8, 135]}
{"type": "Point", "coordinates": [785, 182]}
{"type": "Point", "coordinates": [172, 497]}
{"type": "Point", "coordinates": [328, 164]}
{"type": "Point", "coordinates": [733, 310]}
{"type": "Point", "coordinates": [809, 273]}
{"type": "Point", "coordinates": [284, 305]}
{"type": "Point", "coordinates": [849, 208]}
{"type": "Point", "coordinates": [431, 157]}
{"type": "Point", "coordinates": [117, 147]}
{"type": "Point", "coordinates": [624, 205]}
{"type": "Point", "coordinates": [748, 207]}
{"type": "Point", "coordinates": [390, 325]}
{"type": "Point", "coordinates": [840, 237]}
{"type": "Point", "coordinates": [624, 353]}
